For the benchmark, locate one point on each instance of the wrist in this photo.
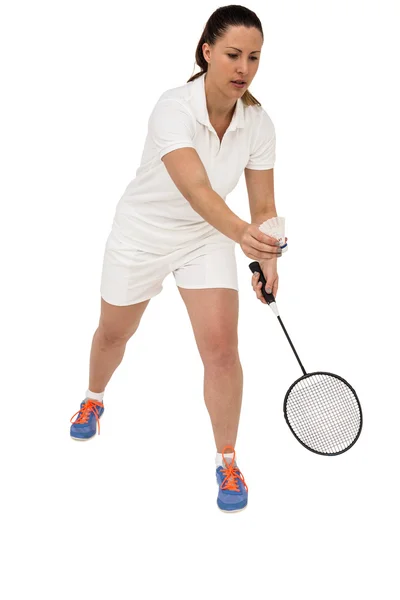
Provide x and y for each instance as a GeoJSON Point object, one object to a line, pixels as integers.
{"type": "Point", "coordinates": [241, 228]}
{"type": "Point", "coordinates": [269, 261]}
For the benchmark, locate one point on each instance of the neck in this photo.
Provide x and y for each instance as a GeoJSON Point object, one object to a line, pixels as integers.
{"type": "Point", "coordinates": [219, 106]}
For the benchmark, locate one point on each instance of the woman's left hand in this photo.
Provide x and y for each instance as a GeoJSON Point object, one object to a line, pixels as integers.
{"type": "Point", "coordinates": [269, 269]}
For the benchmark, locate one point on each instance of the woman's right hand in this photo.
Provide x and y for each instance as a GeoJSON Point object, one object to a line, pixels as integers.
{"type": "Point", "coordinates": [257, 245]}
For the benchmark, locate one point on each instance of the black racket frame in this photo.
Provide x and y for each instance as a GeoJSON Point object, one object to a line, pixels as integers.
{"type": "Point", "coordinates": [269, 298]}
{"type": "Point", "coordinates": [291, 428]}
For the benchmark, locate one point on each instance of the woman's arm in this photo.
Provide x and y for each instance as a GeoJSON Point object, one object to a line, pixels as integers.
{"type": "Point", "coordinates": [260, 190]}
{"type": "Point", "coordinates": [190, 177]}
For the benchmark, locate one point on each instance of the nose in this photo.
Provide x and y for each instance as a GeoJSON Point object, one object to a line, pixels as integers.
{"type": "Point", "coordinates": [242, 69]}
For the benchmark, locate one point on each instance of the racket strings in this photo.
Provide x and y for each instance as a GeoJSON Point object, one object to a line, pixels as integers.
{"type": "Point", "coordinates": [323, 412]}
{"type": "Point", "coordinates": [324, 427]}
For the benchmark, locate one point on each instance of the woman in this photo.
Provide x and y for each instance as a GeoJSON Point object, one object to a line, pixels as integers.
{"type": "Point", "coordinates": [173, 218]}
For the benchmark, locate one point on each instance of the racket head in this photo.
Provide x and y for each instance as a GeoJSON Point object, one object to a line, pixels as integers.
{"type": "Point", "coordinates": [323, 412]}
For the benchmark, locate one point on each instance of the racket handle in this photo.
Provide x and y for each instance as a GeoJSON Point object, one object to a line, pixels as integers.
{"type": "Point", "coordinates": [269, 298]}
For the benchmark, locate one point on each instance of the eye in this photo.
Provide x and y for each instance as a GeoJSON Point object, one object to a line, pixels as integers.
{"type": "Point", "coordinates": [235, 55]}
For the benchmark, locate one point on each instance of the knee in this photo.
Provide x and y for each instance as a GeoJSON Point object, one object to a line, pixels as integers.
{"type": "Point", "coordinates": [112, 337]}
{"type": "Point", "coordinates": [220, 353]}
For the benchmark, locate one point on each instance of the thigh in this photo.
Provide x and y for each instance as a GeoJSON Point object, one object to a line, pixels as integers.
{"type": "Point", "coordinates": [213, 314]}
{"type": "Point", "coordinates": [120, 322]}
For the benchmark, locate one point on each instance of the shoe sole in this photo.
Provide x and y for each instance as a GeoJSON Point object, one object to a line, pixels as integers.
{"type": "Point", "coordinates": [78, 439]}
{"type": "Point", "coordinates": [232, 511]}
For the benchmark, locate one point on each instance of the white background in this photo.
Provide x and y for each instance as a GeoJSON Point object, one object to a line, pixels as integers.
{"type": "Point", "coordinates": [133, 512]}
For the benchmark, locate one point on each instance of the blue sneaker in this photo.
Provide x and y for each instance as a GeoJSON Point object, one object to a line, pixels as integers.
{"type": "Point", "coordinates": [85, 425]}
{"type": "Point", "coordinates": [233, 491]}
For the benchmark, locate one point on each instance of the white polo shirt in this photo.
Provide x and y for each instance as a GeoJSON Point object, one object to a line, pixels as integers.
{"type": "Point", "coordinates": [152, 212]}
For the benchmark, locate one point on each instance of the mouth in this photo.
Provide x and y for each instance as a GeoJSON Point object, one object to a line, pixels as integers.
{"type": "Point", "coordinates": [239, 83]}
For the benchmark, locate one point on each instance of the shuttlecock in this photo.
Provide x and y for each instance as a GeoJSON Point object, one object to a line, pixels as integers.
{"type": "Point", "coordinates": [275, 227]}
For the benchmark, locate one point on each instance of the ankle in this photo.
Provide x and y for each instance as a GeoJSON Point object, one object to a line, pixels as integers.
{"type": "Point", "coordinates": [94, 395]}
{"type": "Point", "coordinates": [219, 458]}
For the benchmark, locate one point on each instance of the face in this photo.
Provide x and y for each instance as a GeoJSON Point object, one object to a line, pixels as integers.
{"type": "Point", "coordinates": [234, 56]}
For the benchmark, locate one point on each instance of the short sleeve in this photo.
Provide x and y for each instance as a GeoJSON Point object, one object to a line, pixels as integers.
{"type": "Point", "coordinates": [171, 126]}
{"type": "Point", "coordinates": [262, 155]}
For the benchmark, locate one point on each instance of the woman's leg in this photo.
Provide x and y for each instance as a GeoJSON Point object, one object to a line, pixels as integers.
{"type": "Point", "coordinates": [116, 325]}
{"type": "Point", "coordinates": [214, 317]}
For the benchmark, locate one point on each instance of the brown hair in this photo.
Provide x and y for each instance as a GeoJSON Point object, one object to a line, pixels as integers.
{"type": "Point", "coordinates": [216, 26]}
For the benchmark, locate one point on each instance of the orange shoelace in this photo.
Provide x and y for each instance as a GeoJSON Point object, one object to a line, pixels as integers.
{"type": "Point", "coordinates": [232, 474]}
{"type": "Point", "coordinates": [86, 410]}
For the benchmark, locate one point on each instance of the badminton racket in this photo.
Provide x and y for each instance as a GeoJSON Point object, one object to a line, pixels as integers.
{"type": "Point", "coordinates": [321, 409]}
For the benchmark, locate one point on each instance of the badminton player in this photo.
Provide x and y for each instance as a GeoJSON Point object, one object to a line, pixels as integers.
{"type": "Point", "coordinates": [173, 218]}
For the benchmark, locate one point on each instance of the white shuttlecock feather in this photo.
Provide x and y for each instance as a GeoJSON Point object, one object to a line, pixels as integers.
{"type": "Point", "coordinates": [275, 227]}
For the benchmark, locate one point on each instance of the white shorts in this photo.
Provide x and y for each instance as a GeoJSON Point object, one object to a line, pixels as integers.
{"type": "Point", "coordinates": [131, 275]}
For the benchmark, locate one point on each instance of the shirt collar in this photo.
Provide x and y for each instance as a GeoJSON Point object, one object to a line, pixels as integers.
{"type": "Point", "coordinates": [200, 106]}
